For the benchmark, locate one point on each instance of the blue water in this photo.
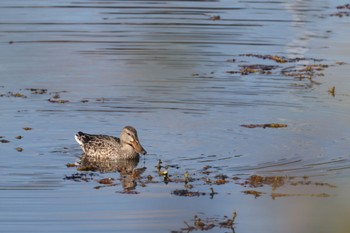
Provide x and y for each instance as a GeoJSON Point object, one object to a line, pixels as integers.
{"type": "Point", "coordinates": [162, 67]}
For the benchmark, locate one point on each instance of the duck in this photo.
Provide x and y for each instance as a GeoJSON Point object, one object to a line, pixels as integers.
{"type": "Point", "coordinates": [104, 147]}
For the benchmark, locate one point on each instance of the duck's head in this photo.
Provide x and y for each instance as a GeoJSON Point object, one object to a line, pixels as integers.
{"type": "Point", "coordinates": [129, 136]}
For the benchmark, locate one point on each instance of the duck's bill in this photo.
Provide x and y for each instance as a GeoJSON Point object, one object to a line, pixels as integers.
{"type": "Point", "coordinates": [138, 148]}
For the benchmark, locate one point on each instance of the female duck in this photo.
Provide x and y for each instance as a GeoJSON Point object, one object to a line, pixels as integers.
{"type": "Point", "coordinates": [104, 147]}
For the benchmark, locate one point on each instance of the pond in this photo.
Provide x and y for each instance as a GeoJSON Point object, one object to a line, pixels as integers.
{"type": "Point", "coordinates": [242, 106]}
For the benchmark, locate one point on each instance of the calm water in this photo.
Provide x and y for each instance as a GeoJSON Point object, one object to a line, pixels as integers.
{"type": "Point", "coordinates": [163, 67]}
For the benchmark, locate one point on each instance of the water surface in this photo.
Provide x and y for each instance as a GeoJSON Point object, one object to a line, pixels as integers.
{"type": "Point", "coordinates": [164, 67]}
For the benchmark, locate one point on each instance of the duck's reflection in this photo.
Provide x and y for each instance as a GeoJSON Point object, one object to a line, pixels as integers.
{"type": "Point", "coordinates": [125, 167]}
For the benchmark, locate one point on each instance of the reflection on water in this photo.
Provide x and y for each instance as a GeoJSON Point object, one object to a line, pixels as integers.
{"type": "Point", "coordinates": [126, 169]}
{"type": "Point", "coordinates": [168, 67]}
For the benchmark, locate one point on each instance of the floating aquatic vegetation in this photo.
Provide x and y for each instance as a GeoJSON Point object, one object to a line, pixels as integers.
{"type": "Point", "coordinates": [100, 100]}
{"type": "Point", "coordinates": [207, 176]}
{"type": "Point", "coordinates": [206, 224]}
{"type": "Point", "coordinates": [278, 59]}
{"type": "Point", "coordinates": [296, 68]}
{"type": "Point", "coordinates": [13, 94]}
{"type": "Point", "coordinates": [346, 6]}
{"type": "Point", "coordinates": [215, 17]}
{"type": "Point", "coordinates": [56, 96]}
{"type": "Point", "coordinates": [275, 58]}
{"type": "Point", "coordinates": [187, 193]}
{"type": "Point", "coordinates": [205, 170]}
{"type": "Point", "coordinates": [86, 177]}
{"type": "Point", "coordinates": [19, 95]}
{"type": "Point", "coordinates": [107, 181]}
{"type": "Point", "coordinates": [253, 192]}
{"type": "Point", "coordinates": [275, 195]}
{"type": "Point", "coordinates": [260, 67]}
{"type": "Point", "coordinates": [37, 91]}
{"type": "Point", "coordinates": [71, 165]}
{"type": "Point", "coordinates": [345, 11]}
{"type": "Point", "coordinates": [256, 181]}
{"type": "Point", "coordinates": [272, 125]}
{"type": "Point", "coordinates": [256, 68]}
{"type": "Point", "coordinates": [341, 14]}
{"type": "Point", "coordinates": [59, 101]}
{"type": "Point", "coordinates": [221, 179]}
{"type": "Point", "coordinates": [331, 91]}
{"type": "Point", "coordinates": [304, 71]}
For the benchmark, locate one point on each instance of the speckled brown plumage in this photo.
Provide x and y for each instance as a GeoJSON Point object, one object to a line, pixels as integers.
{"type": "Point", "coordinates": [104, 147]}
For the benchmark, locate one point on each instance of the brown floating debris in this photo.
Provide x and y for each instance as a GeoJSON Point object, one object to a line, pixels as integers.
{"type": "Point", "coordinates": [340, 63]}
{"type": "Point", "coordinates": [255, 181]}
{"type": "Point", "coordinates": [58, 101]}
{"type": "Point", "coordinates": [331, 91]}
{"type": "Point", "coordinates": [13, 94]}
{"type": "Point", "coordinates": [221, 179]}
{"type": "Point", "coordinates": [27, 128]}
{"type": "Point", "coordinates": [71, 165]}
{"type": "Point", "coordinates": [298, 70]}
{"type": "Point", "coordinates": [209, 223]}
{"type": "Point", "coordinates": [106, 181]}
{"type": "Point", "coordinates": [272, 125]}
{"type": "Point", "coordinates": [229, 223]}
{"type": "Point", "coordinates": [255, 193]}
{"type": "Point", "coordinates": [260, 67]}
{"type": "Point", "coordinates": [37, 91]}
{"type": "Point", "coordinates": [215, 17]}
{"type": "Point", "coordinates": [346, 6]}
{"type": "Point", "coordinates": [214, 177]}
{"type": "Point", "coordinates": [86, 177]}
{"type": "Point", "coordinates": [251, 69]}
{"type": "Point", "coordinates": [56, 96]}
{"type": "Point", "coordinates": [275, 195]}
{"type": "Point", "coordinates": [341, 14]}
{"type": "Point", "coordinates": [278, 59]}
{"type": "Point", "coordinates": [186, 193]}
{"type": "Point", "coordinates": [345, 11]}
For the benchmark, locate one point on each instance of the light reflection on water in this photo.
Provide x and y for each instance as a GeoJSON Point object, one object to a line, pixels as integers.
{"type": "Point", "coordinates": [161, 66]}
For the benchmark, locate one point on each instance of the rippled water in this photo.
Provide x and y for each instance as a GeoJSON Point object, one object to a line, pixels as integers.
{"type": "Point", "coordinates": [165, 67]}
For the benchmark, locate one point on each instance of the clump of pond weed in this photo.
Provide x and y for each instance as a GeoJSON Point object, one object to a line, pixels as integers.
{"type": "Point", "coordinates": [203, 223]}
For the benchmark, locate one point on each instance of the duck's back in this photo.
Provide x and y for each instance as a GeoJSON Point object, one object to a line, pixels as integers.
{"type": "Point", "coordinates": [92, 143]}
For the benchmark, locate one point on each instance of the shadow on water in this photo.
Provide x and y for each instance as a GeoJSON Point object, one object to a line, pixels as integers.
{"type": "Point", "coordinates": [126, 169]}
